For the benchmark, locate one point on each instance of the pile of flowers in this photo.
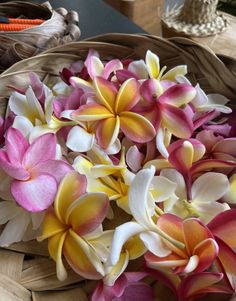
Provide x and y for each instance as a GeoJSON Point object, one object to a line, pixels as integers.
{"type": "Point", "coordinates": [128, 171]}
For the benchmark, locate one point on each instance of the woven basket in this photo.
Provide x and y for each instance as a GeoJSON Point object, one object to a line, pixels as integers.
{"type": "Point", "coordinates": [26, 272]}
{"type": "Point", "coordinates": [60, 27]}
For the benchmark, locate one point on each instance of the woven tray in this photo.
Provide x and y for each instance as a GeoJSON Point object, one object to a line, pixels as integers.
{"type": "Point", "coordinates": [60, 27]}
{"type": "Point", "coordinates": [26, 272]}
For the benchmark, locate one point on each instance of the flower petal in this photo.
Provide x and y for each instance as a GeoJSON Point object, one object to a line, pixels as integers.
{"type": "Point", "coordinates": [128, 96]}
{"type": "Point", "coordinates": [182, 157]}
{"type": "Point", "coordinates": [15, 229]}
{"type": "Point", "coordinates": [107, 131]}
{"type": "Point", "coordinates": [154, 244]}
{"type": "Point", "coordinates": [106, 93]}
{"type": "Point", "coordinates": [116, 270]}
{"type": "Point", "coordinates": [206, 251]}
{"type": "Point", "coordinates": [201, 233]}
{"type": "Point", "coordinates": [55, 246]}
{"type": "Point", "coordinates": [153, 64]}
{"type": "Point", "coordinates": [162, 188]}
{"type": "Point", "coordinates": [79, 140]}
{"type": "Point", "coordinates": [209, 187]}
{"type": "Point", "coordinates": [122, 234]}
{"type": "Point", "coordinates": [51, 225]}
{"type": "Point", "coordinates": [87, 213]}
{"type": "Point", "coordinates": [111, 67]}
{"type": "Point", "coordinates": [23, 124]}
{"type": "Point", "coordinates": [70, 189]}
{"type": "Point", "coordinates": [91, 112]}
{"type": "Point", "coordinates": [196, 284]}
{"type": "Point", "coordinates": [136, 127]}
{"type": "Point", "coordinates": [177, 121]}
{"type": "Point", "coordinates": [94, 66]}
{"type": "Point", "coordinates": [36, 194]}
{"type": "Point", "coordinates": [224, 225]}
{"type": "Point", "coordinates": [176, 71]}
{"type": "Point", "coordinates": [16, 146]}
{"type": "Point", "coordinates": [16, 172]}
{"type": "Point", "coordinates": [178, 95]}
{"type": "Point", "coordinates": [134, 158]}
{"type": "Point", "coordinates": [41, 150]}
{"type": "Point", "coordinates": [81, 257]}
{"type": "Point", "coordinates": [138, 197]}
{"type": "Point", "coordinates": [227, 257]}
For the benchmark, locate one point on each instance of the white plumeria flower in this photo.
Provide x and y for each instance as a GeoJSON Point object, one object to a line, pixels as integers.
{"type": "Point", "coordinates": [151, 68]}
{"type": "Point", "coordinates": [205, 192]}
{"type": "Point", "coordinates": [142, 211]}
{"type": "Point", "coordinates": [206, 103]}
{"type": "Point", "coordinates": [21, 225]}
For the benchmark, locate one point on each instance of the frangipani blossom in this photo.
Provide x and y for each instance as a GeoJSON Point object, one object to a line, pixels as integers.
{"type": "Point", "coordinates": [201, 200]}
{"type": "Point", "coordinates": [19, 223]}
{"type": "Point", "coordinates": [206, 103]}
{"type": "Point", "coordinates": [96, 67]}
{"type": "Point", "coordinates": [112, 113]}
{"type": "Point", "coordinates": [128, 286]}
{"type": "Point", "coordinates": [34, 170]}
{"type": "Point", "coordinates": [165, 112]}
{"type": "Point", "coordinates": [150, 68]}
{"type": "Point", "coordinates": [34, 111]}
{"type": "Point", "coordinates": [192, 286]}
{"type": "Point", "coordinates": [69, 227]}
{"type": "Point", "coordinates": [142, 207]}
{"type": "Point", "coordinates": [200, 247]}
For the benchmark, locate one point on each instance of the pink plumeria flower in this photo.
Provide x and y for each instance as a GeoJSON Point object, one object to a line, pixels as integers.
{"type": "Point", "coordinates": [200, 250]}
{"type": "Point", "coordinates": [165, 110]}
{"type": "Point", "coordinates": [96, 67]}
{"type": "Point", "coordinates": [223, 229]}
{"type": "Point", "coordinates": [127, 287]}
{"type": "Point", "coordinates": [206, 103]}
{"type": "Point", "coordinates": [191, 286]}
{"type": "Point", "coordinates": [34, 170]}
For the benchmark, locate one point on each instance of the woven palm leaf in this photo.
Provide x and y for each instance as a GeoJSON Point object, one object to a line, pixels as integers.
{"type": "Point", "coordinates": [60, 27]}
{"type": "Point", "coordinates": [31, 272]}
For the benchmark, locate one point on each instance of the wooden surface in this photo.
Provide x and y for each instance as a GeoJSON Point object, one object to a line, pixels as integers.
{"type": "Point", "coordinates": [145, 13]}
{"type": "Point", "coordinates": [222, 44]}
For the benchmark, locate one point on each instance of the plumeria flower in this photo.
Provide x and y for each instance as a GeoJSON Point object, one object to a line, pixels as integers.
{"type": "Point", "coordinates": [150, 68]}
{"type": "Point", "coordinates": [223, 227]}
{"type": "Point", "coordinates": [96, 67]}
{"type": "Point", "coordinates": [217, 146]}
{"type": "Point", "coordinates": [100, 178]}
{"type": "Point", "coordinates": [128, 286]}
{"type": "Point", "coordinates": [20, 225]}
{"type": "Point", "coordinates": [112, 113]}
{"type": "Point", "coordinates": [200, 249]}
{"type": "Point", "coordinates": [187, 157]}
{"type": "Point", "coordinates": [34, 111]}
{"type": "Point", "coordinates": [142, 207]}
{"type": "Point", "coordinates": [206, 103]}
{"type": "Point", "coordinates": [33, 168]}
{"type": "Point", "coordinates": [201, 199]}
{"type": "Point", "coordinates": [73, 225]}
{"type": "Point", "coordinates": [165, 112]}
{"type": "Point", "coordinates": [191, 286]}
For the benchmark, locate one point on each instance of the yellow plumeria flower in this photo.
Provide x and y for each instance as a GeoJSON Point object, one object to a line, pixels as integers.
{"type": "Point", "coordinates": [73, 226]}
